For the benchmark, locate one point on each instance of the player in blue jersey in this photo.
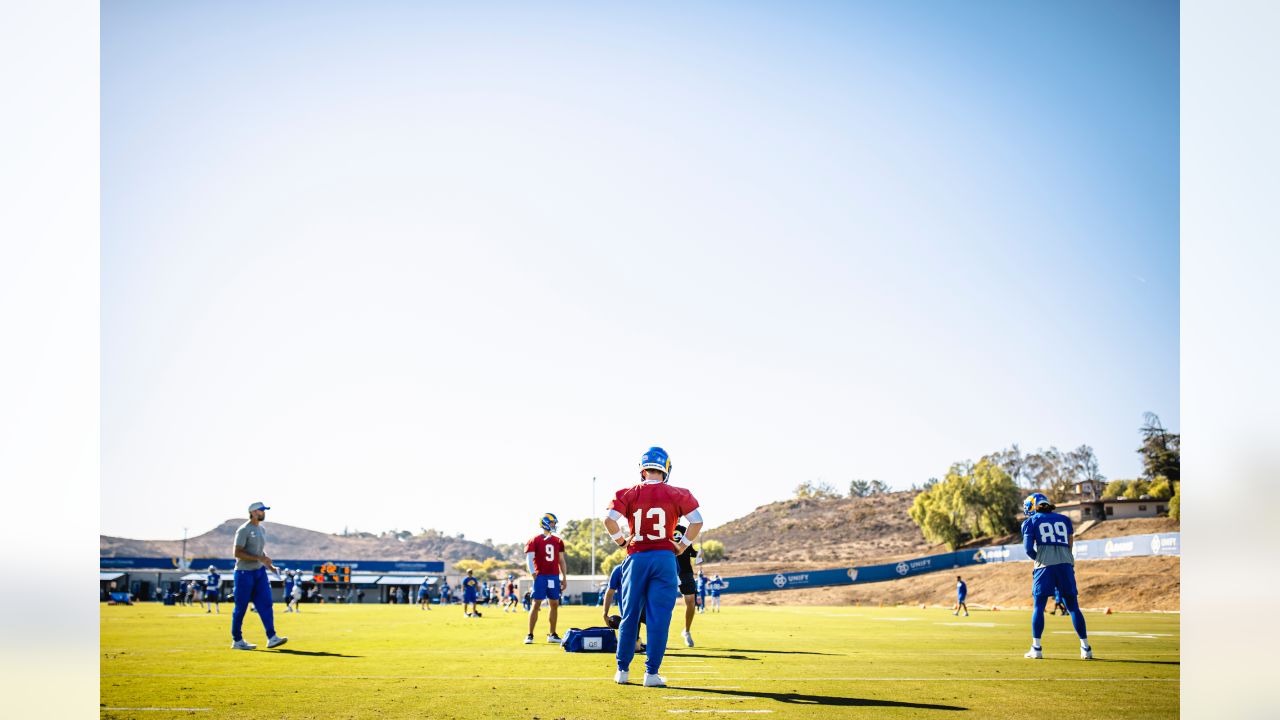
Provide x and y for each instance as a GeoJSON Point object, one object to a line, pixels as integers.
{"type": "Point", "coordinates": [962, 591]}
{"type": "Point", "coordinates": [470, 593]}
{"type": "Point", "coordinates": [715, 586]}
{"type": "Point", "coordinates": [212, 588]}
{"type": "Point", "coordinates": [424, 594]}
{"type": "Point", "coordinates": [612, 594]}
{"type": "Point", "coordinates": [288, 590]}
{"type": "Point", "coordinates": [1047, 538]}
{"type": "Point", "coordinates": [701, 587]}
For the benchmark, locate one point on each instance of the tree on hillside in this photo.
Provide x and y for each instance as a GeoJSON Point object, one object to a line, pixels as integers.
{"type": "Point", "coordinates": [817, 491]}
{"type": "Point", "coordinates": [712, 550]}
{"type": "Point", "coordinates": [1014, 464]}
{"type": "Point", "coordinates": [1082, 465]}
{"type": "Point", "coordinates": [615, 559]}
{"type": "Point", "coordinates": [577, 545]}
{"type": "Point", "coordinates": [1160, 450]}
{"type": "Point", "coordinates": [859, 488]}
{"type": "Point", "coordinates": [972, 501]}
{"type": "Point", "coordinates": [489, 569]}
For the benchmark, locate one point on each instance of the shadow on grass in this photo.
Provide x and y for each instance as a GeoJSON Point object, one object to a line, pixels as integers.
{"type": "Point", "coordinates": [678, 655]}
{"type": "Point", "coordinates": [1136, 662]}
{"type": "Point", "coordinates": [792, 698]}
{"type": "Point", "coordinates": [314, 653]}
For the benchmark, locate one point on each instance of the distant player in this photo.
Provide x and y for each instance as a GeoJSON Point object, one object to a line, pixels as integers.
{"type": "Point", "coordinates": [470, 593]}
{"type": "Point", "coordinates": [251, 581]}
{"type": "Point", "coordinates": [701, 588]}
{"type": "Point", "coordinates": [962, 591]}
{"type": "Point", "coordinates": [1047, 538]}
{"type": "Point", "coordinates": [715, 586]}
{"type": "Point", "coordinates": [612, 593]}
{"type": "Point", "coordinates": [424, 594]}
{"type": "Point", "coordinates": [1057, 603]}
{"type": "Point", "coordinates": [511, 602]}
{"type": "Point", "coordinates": [649, 577]}
{"type": "Point", "coordinates": [212, 584]}
{"type": "Point", "coordinates": [688, 584]}
{"type": "Point", "coordinates": [289, 582]}
{"type": "Point", "coordinates": [295, 594]}
{"type": "Point", "coordinates": [544, 556]}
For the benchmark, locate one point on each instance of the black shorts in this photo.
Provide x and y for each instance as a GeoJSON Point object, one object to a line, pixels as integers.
{"type": "Point", "coordinates": [687, 585]}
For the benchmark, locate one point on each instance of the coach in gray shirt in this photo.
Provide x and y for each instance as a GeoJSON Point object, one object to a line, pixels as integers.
{"type": "Point", "coordinates": [251, 581]}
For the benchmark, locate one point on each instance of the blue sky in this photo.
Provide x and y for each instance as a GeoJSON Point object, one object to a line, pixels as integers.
{"type": "Point", "coordinates": [413, 265]}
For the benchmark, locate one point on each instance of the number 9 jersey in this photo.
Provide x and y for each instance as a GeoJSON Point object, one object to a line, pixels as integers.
{"type": "Point", "coordinates": [652, 509]}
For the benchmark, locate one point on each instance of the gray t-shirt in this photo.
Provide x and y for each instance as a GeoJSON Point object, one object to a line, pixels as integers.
{"type": "Point", "coordinates": [1047, 555]}
{"type": "Point", "coordinates": [252, 539]}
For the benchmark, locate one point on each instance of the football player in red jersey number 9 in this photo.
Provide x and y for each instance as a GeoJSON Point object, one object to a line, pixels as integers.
{"type": "Point", "coordinates": [651, 509]}
{"type": "Point", "coordinates": [545, 557]}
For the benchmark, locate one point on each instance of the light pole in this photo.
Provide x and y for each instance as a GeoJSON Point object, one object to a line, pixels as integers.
{"type": "Point", "coordinates": [183, 562]}
{"type": "Point", "coordinates": [593, 528]}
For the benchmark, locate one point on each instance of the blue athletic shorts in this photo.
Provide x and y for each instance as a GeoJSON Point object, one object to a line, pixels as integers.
{"type": "Point", "coordinates": [468, 597]}
{"type": "Point", "coordinates": [959, 598]}
{"type": "Point", "coordinates": [546, 587]}
{"type": "Point", "coordinates": [1061, 577]}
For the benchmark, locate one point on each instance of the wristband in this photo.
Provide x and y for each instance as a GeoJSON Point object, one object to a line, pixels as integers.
{"type": "Point", "coordinates": [616, 535]}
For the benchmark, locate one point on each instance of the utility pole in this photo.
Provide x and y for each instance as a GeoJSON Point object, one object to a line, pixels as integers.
{"type": "Point", "coordinates": [183, 563]}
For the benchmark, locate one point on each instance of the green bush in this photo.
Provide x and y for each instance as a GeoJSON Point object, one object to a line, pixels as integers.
{"type": "Point", "coordinates": [972, 501]}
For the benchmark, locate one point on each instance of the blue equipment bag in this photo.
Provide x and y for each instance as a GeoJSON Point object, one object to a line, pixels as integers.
{"type": "Point", "coordinates": [596, 639]}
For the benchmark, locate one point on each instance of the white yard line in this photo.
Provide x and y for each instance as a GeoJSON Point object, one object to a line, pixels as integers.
{"type": "Point", "coordinates": [158, 709]}
{"type": "Point", "coordinates": [720, 711]}
{"type": "Point", "coordinates": [495, 678]}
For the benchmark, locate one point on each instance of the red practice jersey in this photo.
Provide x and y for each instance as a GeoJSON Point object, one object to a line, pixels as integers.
{"type": "Point", "coordinates": [546, 551]}
{"type": "Point", "coordinates": [653, 511]}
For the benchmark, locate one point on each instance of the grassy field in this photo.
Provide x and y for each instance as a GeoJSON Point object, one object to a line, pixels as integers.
{"type": "Point", "coordinates": [396, 661]}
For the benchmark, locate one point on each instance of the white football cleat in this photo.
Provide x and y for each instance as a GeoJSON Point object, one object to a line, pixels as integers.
{"type": "Point", "coordinates": [1034, 654]}
{"type": "Point", "coordinates": [621, 677]}
{"type": "Point", "coordinates": [553, 638]}
{"type": "Point", "coordinates": [1086, 653]}
{"type": "Point", "coordinates": [528, 639]}
{"type": "Point", "coordinates": [688, 639]}
{"type": "Point", "coordinates": [654, 680]}
{"type": "Point", "coordinates": [276, 641]}
{"type": "Point", "coordinates": [242, 645]}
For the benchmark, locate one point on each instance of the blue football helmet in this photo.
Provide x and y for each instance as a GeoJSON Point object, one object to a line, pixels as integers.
{"type": "Point", "coordinates": [549, 522]}
{"type": "Point", "coordinates": [655, 458]}
{"type": "Point", "coordinates": [1034, 502]}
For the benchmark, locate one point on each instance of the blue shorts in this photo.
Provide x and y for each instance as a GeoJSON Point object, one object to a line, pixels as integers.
{"type": "Point", "coordinates": [422, 594]}
{"type": "Point", "coordinates": [960, 598]}
{"type": "Point", "coordinates": [468, 598]}
{"type": "Point", "coordinates": [210, 594]}
{"type": "Point", "coordinates": [546, 587]}
{"type": "Point", "coordinates": [1059, 578]}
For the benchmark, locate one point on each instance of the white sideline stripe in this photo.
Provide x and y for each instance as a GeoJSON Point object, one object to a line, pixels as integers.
{"type": "Point", "coordinates": [164, 709]}
{"type": "Point", "coordinates": [493, 678]}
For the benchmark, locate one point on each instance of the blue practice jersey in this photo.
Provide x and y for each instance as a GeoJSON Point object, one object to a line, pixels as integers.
{"type": "Point", "coordinates": [702, 584]}
{"type": "Point", "coordinates": [961, 588]}
{"type": "Point", "coordinates": [211, 582]}
{"type": "Point", "coordinates": [1047, 538]}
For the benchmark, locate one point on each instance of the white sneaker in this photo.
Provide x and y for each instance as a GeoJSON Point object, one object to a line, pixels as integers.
{"type": "Point", "coordinates": [528, 639]}
{"type": "Point", "coordinates": [276, 641]}
{"type": "Point", "coordinates": [242, 645]}
{"type": "Point", "coordinates": [621, 677]}
{"type": "Point", "coordinates": [955, 613]}
{"type": "Point", "coordinates": [1086, 653]}
{"type": "Point", "coordinates": [654, 680]}
{"type": "Point", "coordinates": [1034, 654]}
{"type": "Point", "coordinates": [688, 639]}
{"type": "Point", "coordinates": [966, 614]}
{"type": "Point", "coordinates": [553, 638]}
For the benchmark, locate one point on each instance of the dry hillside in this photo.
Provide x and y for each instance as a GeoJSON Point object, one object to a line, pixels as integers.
{"type": "Point", "coordinates": [286, 541]}
{"type": "Point", "coordinates": [832, 531]}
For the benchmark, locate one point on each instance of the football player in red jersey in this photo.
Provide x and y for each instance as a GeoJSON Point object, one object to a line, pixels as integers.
{"type": "Point", "coordinates": [652, 508]}
{"type": "Point", "coordinates": [545, 557]}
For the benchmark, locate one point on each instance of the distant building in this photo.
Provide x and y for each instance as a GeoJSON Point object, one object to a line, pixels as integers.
{"type": "Point", "coordinates": [1083, 511]}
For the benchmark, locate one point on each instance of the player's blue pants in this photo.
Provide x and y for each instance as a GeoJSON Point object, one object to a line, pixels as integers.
{"type": "Point", "coordinates": [1073, 607]}
{"type": "Point", "coordinates": [648, 584]}
{"type": "Point", "coordinates": [252, 585]}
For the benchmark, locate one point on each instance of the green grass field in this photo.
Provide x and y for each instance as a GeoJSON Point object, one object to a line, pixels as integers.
{"type": "Point", "coordinates": [396, 661]}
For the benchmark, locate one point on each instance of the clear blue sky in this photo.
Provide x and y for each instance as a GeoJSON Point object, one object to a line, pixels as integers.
{"type": "Point", "coordinates": [399, 264]}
